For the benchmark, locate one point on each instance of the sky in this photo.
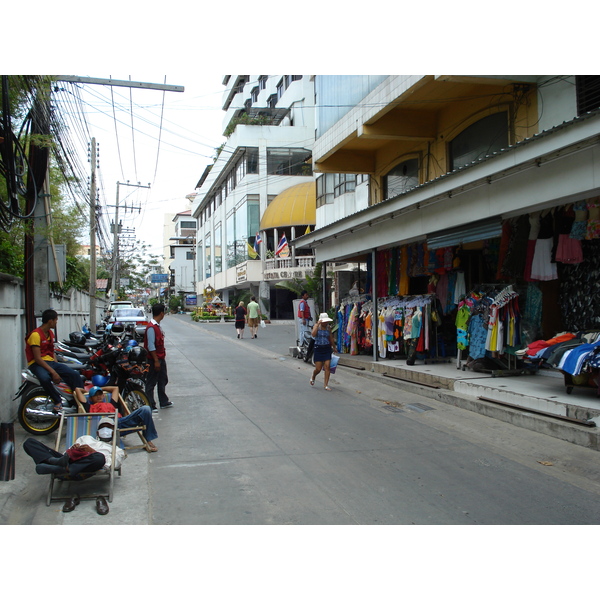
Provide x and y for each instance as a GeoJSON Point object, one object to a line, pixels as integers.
{"type": "Point", "coordinates": [163, 140]}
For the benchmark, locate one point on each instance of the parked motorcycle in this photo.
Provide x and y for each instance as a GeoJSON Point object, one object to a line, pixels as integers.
{"type": "Point", "coordinates": [125, 367]}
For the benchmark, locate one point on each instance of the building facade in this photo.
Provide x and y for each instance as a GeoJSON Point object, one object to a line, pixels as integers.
{"type": "Point", "coordinates": [254, 198]}
{"type": "Point", "coordinates": [465, 179]}
{"type": "Point", "coordinates": [182, 247]}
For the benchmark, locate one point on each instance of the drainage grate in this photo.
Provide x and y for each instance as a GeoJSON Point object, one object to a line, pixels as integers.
{"type": "Point", "coordinates": [394, 409]}
{"type": "Point", "coordinates": [419, 407]}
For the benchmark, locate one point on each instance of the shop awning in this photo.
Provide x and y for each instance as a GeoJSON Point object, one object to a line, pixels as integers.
{"type": "Point", "coordinates": [295, 206]}
{"type": "Point", "coordinates": [466, 234]}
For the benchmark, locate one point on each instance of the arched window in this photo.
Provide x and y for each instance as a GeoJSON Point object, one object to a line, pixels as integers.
{"type": "Point", "coordinates": [482, 138]}
{"type": "Point", "coordinates": [401, 178]}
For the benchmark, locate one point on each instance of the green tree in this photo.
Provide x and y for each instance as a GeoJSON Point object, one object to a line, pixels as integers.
{"type": "Point", "coordinates": [66, 221]}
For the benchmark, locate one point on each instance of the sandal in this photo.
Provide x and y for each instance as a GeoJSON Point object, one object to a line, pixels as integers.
{"type": "Point", "coordinates": [312, 382]}
{"type": "Point", "coordinates": [150, 447]}
{"type": "Point", "coordinates": [327, 388]}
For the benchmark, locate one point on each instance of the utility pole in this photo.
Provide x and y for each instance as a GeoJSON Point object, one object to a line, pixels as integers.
{"type": "Point", "coordinates": [93, 225]}
{"type": "Point", "coordinates": [116, 230]}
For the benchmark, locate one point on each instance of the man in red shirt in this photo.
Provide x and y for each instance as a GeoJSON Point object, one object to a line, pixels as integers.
{"type": "Point", "coordinates": [154, 342]}
{"type": "Point", "coordinates": [39, 351]}
{"type": "Point", "coordinates": [304, 316]}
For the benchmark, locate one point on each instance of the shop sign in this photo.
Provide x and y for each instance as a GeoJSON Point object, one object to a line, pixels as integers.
{"type": "Point", "coordinates": [241, 274]}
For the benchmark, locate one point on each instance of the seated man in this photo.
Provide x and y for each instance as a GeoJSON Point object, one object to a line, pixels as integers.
{"type": "Point", "coordinates": [39, 351]}
{"type": "Point", "coordinates": [97, 402]}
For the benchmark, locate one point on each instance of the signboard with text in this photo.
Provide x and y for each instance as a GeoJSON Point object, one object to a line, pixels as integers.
{"type": "Point", "coordinates": [159, 278]}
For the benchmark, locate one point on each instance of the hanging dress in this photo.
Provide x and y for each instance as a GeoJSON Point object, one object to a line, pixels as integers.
{"type": "Point", "coordinates": [542, 267]}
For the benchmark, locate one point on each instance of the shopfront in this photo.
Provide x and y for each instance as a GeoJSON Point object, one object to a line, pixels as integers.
{"type": "Point", "coordinates": [486, 291]}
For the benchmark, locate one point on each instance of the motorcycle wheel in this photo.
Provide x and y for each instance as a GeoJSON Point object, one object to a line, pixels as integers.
{"type": "Point", "coordinates": [135, 398]}
{"type": "Point", "coordinates": [35, 413]}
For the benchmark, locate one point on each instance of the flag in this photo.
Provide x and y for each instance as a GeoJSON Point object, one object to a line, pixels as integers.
{"type": "Point", "coordinates": [257, 241]}
{"type": "Point", "coordinates": [251, 252]}
{"type": "Point", "coordinates": [307, 230]}
{"type": "Point", "coordinates": [283, 250]}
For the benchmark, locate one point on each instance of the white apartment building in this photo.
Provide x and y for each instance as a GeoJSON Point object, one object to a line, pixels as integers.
{"type": "Point", "coordinates": [261, 184]}
{"type": "Point", "coordinates": [183, 255]}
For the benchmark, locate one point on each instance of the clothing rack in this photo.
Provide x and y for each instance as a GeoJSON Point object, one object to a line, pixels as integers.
{"type": "Point", "coordinates": [497, 296]}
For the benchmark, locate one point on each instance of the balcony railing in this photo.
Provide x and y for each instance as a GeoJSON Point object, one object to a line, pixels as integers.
{"type": "Point", "coordinates": [303, 262]}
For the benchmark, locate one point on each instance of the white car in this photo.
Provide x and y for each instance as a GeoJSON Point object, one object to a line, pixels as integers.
{"type": "Point", "coordinates": [130, 316]}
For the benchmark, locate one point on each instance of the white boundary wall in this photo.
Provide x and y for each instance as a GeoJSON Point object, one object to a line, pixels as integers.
{"type": "Point", "coordinates": [73, 310]}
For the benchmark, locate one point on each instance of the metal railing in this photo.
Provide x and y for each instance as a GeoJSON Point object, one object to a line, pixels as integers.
{"type": "Point", "coordinates": [303, 262]}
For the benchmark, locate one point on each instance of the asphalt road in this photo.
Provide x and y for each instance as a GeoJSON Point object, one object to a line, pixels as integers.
{"type": "Point", "coordinates": [249, 441]}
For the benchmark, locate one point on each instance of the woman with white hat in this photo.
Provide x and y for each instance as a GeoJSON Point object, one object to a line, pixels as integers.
{"type": "Point", "coordinates": [323, 348]}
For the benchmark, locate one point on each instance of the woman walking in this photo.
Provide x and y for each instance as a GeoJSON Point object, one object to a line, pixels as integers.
{"type": "Point", "coordinates": [323, 348]}
{"type": "Point", "coordinates": [240, 319]}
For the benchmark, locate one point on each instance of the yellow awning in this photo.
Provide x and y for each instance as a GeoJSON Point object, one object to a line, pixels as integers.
{"type": "Point", "coordinates": [295, 206]}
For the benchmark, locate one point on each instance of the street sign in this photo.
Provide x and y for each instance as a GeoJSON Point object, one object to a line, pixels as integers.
{"type": "Point", "coordinates": [159, 278]}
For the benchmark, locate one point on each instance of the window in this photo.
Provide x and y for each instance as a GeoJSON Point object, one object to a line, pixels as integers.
{"type": "Point", "coordinates": [401, 178]}
{"type": "Point", "coordinates": [231, 182]}
{"type": "Point", "coordinates": [587, 91]}
{"type": "Point", "coordinates": [325, 189]}
{"type": "Point", "coordinates": [252, 160]}
{"type": "Point", "coordinates": [280, 89]}
{"type": "Point", "coordinates": [482, 138]}
{"type": "Point", "coordinates": [207, 256]}
{"type": "Point", "coordinates": [262, 82]}
{"type": "Point", "coordinates": [230, 239]}
{"type": "Point", "coordinates": [254, 94]}
{"type": "Point", "coordinates": [242, 225]}
{"type": "Point", "coordinates": [218, 262]}
{"type": "Point", "coordinates": [342, 183]}
{"type": "Point", "coordinates": [288, 161]}
{"type": "Point", "coordinates": [190, 256]}
{"type": "Point", "coordinates": [187, 224]}
{"type": "Point", "coordinates": [296, 77]}
{"type": "Point", "coordinates": [272, 101]}
{"type": "Point", "coordinates": [248, 163]}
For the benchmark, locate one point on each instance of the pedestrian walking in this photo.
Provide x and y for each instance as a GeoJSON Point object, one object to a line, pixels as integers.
{"type": "Point", "coordinates": [323, 348]}
{"type": "Point", "coordinates": [240, 319]}
{"type": "Point", "coordinates": [253, 317]}
{"type": "Point", "coordinates": [154, 342]}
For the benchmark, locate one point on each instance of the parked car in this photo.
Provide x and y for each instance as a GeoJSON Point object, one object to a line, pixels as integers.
{"type": "Point", "coordinates": [113, 305]}
{"type": "Point", "coordinates": [135, 317]}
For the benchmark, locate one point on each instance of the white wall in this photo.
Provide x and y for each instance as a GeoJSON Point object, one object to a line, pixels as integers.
{"type": "Point", "coordinates": [73, 311]}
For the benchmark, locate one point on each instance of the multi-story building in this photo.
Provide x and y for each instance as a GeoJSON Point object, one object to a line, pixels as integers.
{"type": "Point", "coordinates": [183, 255]}
{"type": "Point", "coordinates": [472, 171]}
{"type": "Point", "coordinates": [261, 184]}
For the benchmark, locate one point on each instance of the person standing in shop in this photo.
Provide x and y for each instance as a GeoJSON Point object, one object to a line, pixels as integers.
{"type": "Point", "coordinates": [304, 316]}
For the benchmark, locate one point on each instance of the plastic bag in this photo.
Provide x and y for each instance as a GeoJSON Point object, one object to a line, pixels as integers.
{"type": "Point", "coordinates": [333, 364]}
{"type": "Point", "coordinates": [262, 323]}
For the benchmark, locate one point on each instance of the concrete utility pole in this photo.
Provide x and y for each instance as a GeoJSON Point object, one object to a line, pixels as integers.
{"type": "Point", "coordinates": [37, 290]}
{"type": "Point", "coordinates": [116, 231]}
{"type": "Point", "coordinates": [93, 226]}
